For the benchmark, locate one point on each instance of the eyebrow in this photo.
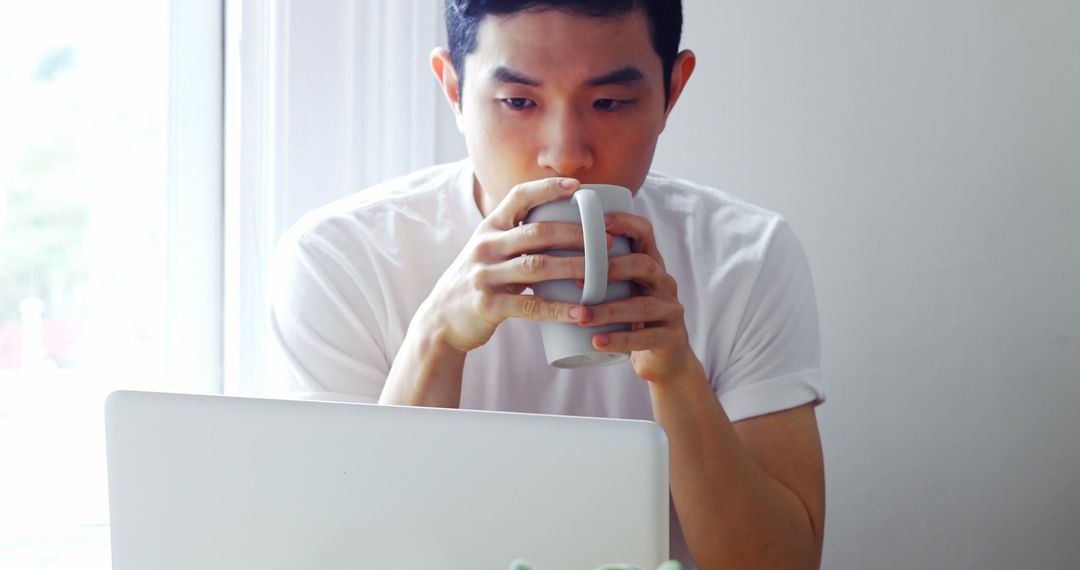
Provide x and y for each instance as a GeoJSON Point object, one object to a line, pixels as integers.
{"type": "Point", "coordinates": [506, 75]}
{"type": "Point", "coordinates": [623, 76]}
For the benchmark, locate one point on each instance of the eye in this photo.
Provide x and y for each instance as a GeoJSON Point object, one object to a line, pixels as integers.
{"type": "Point", "coordinates": [518, 103]}
{"type": "Point", "coordinates": [610, 104]}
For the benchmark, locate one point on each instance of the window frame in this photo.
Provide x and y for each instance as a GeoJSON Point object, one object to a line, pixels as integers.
{"type": "Point", "coordinates": [195, 196]}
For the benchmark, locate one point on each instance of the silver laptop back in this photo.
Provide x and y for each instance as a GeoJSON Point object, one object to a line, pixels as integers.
{"type": "Point", "coordinates": [214, 482]}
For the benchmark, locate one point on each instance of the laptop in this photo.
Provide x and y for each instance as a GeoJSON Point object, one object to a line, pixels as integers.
{"type": "Point", "coordinates": [217, 482]}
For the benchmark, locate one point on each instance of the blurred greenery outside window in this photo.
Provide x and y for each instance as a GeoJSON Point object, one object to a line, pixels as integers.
{"type": "Point", "coordinates": [83, 154]}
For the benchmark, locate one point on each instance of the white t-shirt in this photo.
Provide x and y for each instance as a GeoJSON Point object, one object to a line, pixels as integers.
{"type": "Point", "coordinates": [349, 276]}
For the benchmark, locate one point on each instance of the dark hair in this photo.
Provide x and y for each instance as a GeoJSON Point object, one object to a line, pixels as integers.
{"type": "Point", "coordinates": [665, 18]}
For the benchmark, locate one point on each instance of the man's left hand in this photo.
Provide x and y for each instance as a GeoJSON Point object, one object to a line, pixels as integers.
{"type": "Point", "coordinates": [658, 342]}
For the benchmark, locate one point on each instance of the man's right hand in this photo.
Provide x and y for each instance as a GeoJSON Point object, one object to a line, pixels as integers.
{"type": "Point", "coordinates": [483, 286]}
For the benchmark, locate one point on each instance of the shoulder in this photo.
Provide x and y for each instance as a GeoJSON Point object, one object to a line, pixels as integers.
{"type": "Point", "coordinates": [415, 197]}
{"type": "Point", "coordinates": [708, 219]}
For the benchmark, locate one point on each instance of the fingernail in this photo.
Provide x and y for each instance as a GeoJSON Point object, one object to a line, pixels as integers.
{"type": "Point", "coordinates": [568, 183]}
{"type": "Point", "coordinates": [602, 340]}
{"type": "Point", "coordinates": [575, 313]}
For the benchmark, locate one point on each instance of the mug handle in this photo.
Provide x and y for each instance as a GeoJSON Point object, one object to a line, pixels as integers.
{"type": "Point", "coordinates": [596, 253]}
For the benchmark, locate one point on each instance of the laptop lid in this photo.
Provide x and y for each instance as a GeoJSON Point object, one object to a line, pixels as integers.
{"type": "Point", "coordinates": [216, 482]}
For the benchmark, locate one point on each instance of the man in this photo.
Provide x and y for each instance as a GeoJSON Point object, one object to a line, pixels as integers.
{"type": "Point", "coordinates": [415, 292]}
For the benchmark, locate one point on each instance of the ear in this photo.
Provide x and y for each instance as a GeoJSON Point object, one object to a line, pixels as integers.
{"type": "Point", "coordinates": [443, 68]}
{"type": "Point", "coordinates": [684, 66]}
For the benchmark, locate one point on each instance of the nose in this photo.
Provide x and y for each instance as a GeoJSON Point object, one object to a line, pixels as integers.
{"type": "Point", "coordinates": [565, 148]}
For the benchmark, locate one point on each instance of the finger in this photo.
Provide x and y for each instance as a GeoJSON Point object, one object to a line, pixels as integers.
{"type": "Point", "coordinates": [539, 236]}
{"type": "Point", "coordinates": [648, 338]}
{"type": "Point", "coordinates": [638, 229]}
{"type": "Point", "coordinates": [645, 309]}
{"type": "Point", "coordinates": [528, 195]}
{"type": "Point", "coordinates": [537, 308]}
{"type": "Point", "coordinates": [531, 268]}
{"type": "Point", "coordinates": [645, 270]}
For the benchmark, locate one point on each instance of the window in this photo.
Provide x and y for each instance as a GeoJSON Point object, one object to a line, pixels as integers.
{"type": "Point", "coordinates": [110, 246]}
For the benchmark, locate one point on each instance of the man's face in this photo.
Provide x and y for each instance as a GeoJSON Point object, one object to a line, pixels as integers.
{"type": "Point", "coordinates": [550, 93]}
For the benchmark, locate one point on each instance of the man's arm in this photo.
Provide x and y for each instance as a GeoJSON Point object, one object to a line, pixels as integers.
{"type": "Point", "coordinates": [749, 494]}
{"type": "Point", "coordinates": [427, 369]}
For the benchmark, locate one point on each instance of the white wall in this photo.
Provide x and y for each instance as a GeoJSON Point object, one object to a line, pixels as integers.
{"type": "Point", "coordinates": [928, 155]}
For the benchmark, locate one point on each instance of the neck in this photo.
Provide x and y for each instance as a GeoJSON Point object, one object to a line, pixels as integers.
{"type": "Point", "coordinates": [484, 202]}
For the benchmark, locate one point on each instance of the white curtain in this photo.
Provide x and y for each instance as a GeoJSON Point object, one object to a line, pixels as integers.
{"type": "Point", "coordinates": [325, 97]}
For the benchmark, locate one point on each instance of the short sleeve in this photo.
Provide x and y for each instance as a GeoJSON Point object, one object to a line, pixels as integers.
{"type": "Point", "coordinates": [324, 324]}
{"type": "Point", "coordinates": [776, 356]}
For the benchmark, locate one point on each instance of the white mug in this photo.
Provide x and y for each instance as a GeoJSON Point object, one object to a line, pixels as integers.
{"type": "Point", "coordinates": [569, 345]}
